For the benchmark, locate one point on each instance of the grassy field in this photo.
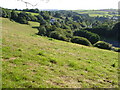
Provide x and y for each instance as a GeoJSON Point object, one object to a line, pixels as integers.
{"type": "Point", "coordinates": [29, 12]}
{"type": "Point", "coordinates": [94, 13]}
{"type": "Point", "coordinates": [32, 61]}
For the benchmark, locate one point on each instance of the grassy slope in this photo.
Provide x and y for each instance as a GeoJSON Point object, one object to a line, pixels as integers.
{"type": "Point", "coordinates": [40, 62]}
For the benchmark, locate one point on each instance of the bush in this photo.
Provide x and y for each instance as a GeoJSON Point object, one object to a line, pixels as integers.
{"type": "Point", "coordinates": [92, 37]}
{"type": "Point", "coordinates": [61, 34]}
{"type": "Point", "coordinates": [22, 18]}
{"type": "Point", "coordinates": [116, 49]}
{"type": "Point", "coordinates": [57, 35]}
{"type": "Point", "coordinates": [103, 45]}
{"type": "Point", "coordinates": [81, 40]}
{"type": "Point", "coordinates": [42, 31]}
{"type": "Point", "coordinates": [14, 15]}
{"type": "Point", "coordinates": [4, 14]}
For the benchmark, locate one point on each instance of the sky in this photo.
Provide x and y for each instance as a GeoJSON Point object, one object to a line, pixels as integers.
{"type": "Point", "coordinates": [61, 4]}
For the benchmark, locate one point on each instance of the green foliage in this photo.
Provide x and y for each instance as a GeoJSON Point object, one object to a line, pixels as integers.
{"type": "Point", "coordinates": [103, 45]}
{"type": "Point", "coordinates": [81, 40]}
{"type": "Point", "coordinates": [57, 24]}
{"type": "Point", "coordinates": [32, 10]}
{"type": "Point", "coordinates": [8, 14]}
{"type": "Point", "coordinates": [77, 18]}
{"type": "Point", "coordinates": [92, 37]}
{"type": "Point", "coordinates": [30, 17]}
{"type": "Point", "coordinates": [57, 35]}
{"type": "Point", "coordinates": [67, 22]}
{"type": "Point", "coordinates": [4, 14]}
{"type": "Point", "coordinates": [45, 15]}
{"type": "Point", "coordinates": [63, 26]}
{"type": "Point", "coordinates": [43, 22]}
{"type": "Point", "coordinates": [102, 30]}
{"type": "Point", "coordinates": [14, 15]}
{"type": "Point", "coordinates": [116, 49]}
{"type": "Point", "coordinates": [49, 29]}
{"type": "Point", "coordinates": [116, 31]}
{"type": "Point", "coordinates": [64, 34]}
{"type": "Point", "coordinates": [57, 14]}
{"type": "Point", "coordinates": [76, 25]}
{"type": "Point", "coordinates": [22, 18]}
{"type": "Point", "coordinates": [39, 17]}
{"type": "Point", "coordinates": [42, 31]}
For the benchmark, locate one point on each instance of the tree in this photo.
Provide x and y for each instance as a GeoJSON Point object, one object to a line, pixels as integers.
{"type": "Point", "coordinates": [42, 31]}
{"type": "Point", "coordinates": [57, 35]}
{"type": "Point", "coordinates": [116, 31]}
{"type": "Point", "coordinates": [61, 34]}
{"type": "Point", "coordinates": [22, 18]}
{"type": "Point", "coordinates": [4, 14]}
{"type": "Point", "coordinates": [92, 37]}
{"type": "Point", "coordinates": [57, 14]}
{"type": "Point", "coordinates": [39, 17]}
{"type": "Point", "coordinates": [31, 17]}
{"type": "Point", "coordinates": [45, 15]}
{"type": "Point", "coordinates": [63, 26]}
{"type": "Point", "coordinates": [41, 20]}
{"type": "Point", "coordinates": [77, 18]}
{"type": "Point", "coordinates": [14, 15]}
{"type": "Point", "coordinates": [57, 24]}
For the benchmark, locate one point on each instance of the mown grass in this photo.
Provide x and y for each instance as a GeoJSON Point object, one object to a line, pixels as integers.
{"type": "Point", "coordinates": [32, 61]}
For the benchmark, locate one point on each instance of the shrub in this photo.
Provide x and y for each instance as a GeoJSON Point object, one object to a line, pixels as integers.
{"type": "Point", "coordinates": [116, 49]}
{"type": "Point", "coordinates": [22, 18]}
{"type": "Point", "coordinates": [57, 35]}
{"type": "Point", "coordinates": [81, 40]}
{"type": "Point", "coordinates": [103, 45]}
{"type": "Point", "coordinates": [14, 15]}
{"type": "Point", "coordinates": [42, 31]}
{"type": "Point", "coordinates": [8, 14]}
{"type": "Point", "coordinates": [92, 37]}
{"type": "Point", "coordinates": [61, 34]}
{"type": "Point", "coordinates": [4, 14]}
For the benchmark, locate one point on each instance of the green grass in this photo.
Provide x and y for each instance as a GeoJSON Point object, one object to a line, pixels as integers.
{"type": "Point", "coordinates": [94, 13]}
{"type": "Point", "coordinates": [32, 61]}
{"type": "Point", "coordinates": [29, 12]}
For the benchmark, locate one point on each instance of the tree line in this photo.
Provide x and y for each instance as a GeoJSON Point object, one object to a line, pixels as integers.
{"type": "Point", "coordinates": [67, 25]}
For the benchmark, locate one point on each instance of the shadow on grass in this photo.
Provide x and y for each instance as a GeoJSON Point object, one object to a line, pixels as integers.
{"type": "Point", "coordinates": [35, 27]}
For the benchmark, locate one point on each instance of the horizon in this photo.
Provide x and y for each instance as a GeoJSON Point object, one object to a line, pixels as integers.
{"type": "Point", "coordinates": [62, 9]}
{"type": "Point", "coordinates": [61, 5]}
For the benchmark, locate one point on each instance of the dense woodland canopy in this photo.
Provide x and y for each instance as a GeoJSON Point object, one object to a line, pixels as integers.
{"type": "Point", "coordinates": [68, 26]}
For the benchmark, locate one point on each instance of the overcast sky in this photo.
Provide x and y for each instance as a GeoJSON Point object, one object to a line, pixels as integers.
{"type": "Point", "coordinates": [62, 4]}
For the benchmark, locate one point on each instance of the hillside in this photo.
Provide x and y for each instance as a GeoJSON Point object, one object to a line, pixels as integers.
{"type": "Point", "coordinates": [32, 61]}
{"type": "Point", "coordinates": [66, 25]}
